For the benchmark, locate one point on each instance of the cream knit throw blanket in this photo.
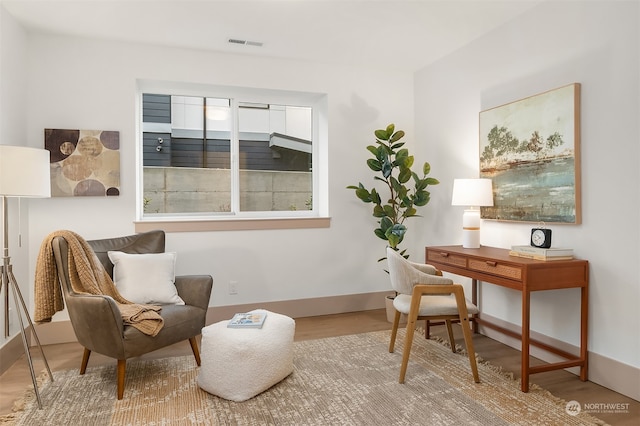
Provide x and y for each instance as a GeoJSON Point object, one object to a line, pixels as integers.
{"type": "Point", "coordinates": [87, 276]}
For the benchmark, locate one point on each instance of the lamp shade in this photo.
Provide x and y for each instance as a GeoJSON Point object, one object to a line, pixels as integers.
{"type": "Point", "coordinates": [24, 172]}
{"type": "Point", "coordinates": [472, 192]}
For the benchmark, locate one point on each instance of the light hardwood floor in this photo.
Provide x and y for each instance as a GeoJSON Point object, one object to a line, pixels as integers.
{"type": "Point", "coordinates": [560, 383]}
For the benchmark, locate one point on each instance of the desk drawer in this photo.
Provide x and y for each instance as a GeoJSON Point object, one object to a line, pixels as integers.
{"type": "Point", "coordinates": [448, 258]}
{"type": "Point", "coordinates": [496, 268]}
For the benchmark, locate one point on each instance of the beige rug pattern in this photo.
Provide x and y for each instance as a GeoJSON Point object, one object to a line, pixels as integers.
{"type": "Point", "coordinates": [347, 380]}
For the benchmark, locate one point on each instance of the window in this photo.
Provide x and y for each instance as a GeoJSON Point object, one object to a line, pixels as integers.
{"type": "Point", "coordinates": [212, 153]}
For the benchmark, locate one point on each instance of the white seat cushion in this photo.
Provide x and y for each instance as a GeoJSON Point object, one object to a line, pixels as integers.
{"type": "Point", "coordinates": [432, 305]}
{"type": "Point", "coordinates": [238, 363]}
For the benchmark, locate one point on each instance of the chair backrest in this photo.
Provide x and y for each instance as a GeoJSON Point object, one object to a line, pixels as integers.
{"type": "Point", "coordinates": [147, 242]}
{"type": "Point", "coordinates": [405, 274]}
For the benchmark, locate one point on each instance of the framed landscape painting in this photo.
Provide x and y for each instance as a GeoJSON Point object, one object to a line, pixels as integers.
{"type": "Point", "coordinates": [530, 149]}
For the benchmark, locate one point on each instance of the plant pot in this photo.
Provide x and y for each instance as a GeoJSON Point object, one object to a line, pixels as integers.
{"type": "Point", "coordinates": [391, 311]}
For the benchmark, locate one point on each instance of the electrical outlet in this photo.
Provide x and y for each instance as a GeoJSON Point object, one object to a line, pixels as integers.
{"type": "Point", "coordinates": [233, 287]}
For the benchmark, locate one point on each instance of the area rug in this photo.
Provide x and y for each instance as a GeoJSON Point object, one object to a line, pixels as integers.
{"type": "Point", "coordinates": [347, 380]}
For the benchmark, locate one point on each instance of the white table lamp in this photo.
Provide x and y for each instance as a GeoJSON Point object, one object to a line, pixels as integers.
{"type": "Point", "coordinates": [24, 172]}
{"type": "Point", "coordinates": [472, 193]}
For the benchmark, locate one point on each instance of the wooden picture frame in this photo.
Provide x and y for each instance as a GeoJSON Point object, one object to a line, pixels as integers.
{"type": "Point", "coordinates": [530, 149]}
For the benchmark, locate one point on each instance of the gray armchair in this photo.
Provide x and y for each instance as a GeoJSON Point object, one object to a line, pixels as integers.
{"type": "Point", "coordinates": [97, 322]}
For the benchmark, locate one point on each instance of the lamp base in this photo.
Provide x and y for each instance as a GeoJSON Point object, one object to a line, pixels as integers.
{"type": "Point", "coordinates": [471, 228]}
{"type": "Point", "coordinates": [471, 238]}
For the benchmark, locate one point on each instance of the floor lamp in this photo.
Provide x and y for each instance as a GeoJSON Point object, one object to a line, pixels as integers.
{"type": "Point", "coordinates": [24, 172]}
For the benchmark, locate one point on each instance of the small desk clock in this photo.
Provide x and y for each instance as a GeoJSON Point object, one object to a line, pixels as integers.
{"type": "Point", "coordinates": [541, 237]}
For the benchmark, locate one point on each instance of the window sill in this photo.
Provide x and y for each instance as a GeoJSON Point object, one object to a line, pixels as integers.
{"type": "Point", "coordinates": [232, 224]}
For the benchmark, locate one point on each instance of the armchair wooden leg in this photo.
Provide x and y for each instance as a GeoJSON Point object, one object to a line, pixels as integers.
{"type": "Point", "coordinates": [394, 331]}
{"type": "Point", "coordinates": [85, 361]}
{"type": "Point", "coordinates": [451, 339]}
{"type": "Point", "coordinates": [122, 368]}
{"type": "Point", "coordinates": [466, 331]}
{"type": "Point", "coordinates": [194, 348]}
{"type": "Point", "coordinates": [464, 322]}
{"type": "Point", "coordinates": [410, 330]}
{"type": "Point", "coordinates": [408, 342]}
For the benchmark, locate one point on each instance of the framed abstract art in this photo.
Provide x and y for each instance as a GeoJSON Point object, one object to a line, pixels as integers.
{"type": "Point", "coordinates": [83, 162]}
{"type": "Point", "coordinates": [530, 149]}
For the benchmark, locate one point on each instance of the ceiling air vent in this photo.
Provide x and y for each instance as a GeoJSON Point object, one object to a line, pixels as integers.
{"type": "Point", "coordinates": [245, 42]}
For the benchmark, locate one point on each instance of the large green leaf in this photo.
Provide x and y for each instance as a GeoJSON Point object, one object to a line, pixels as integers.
{"type": "Point", "coordinates": [363, 194]}
{"type": "Point", "coordinates": [409, 161]}
{"type": "Point", "coordinates": [393, 240]}
{"type": "Point", "coordinates": [390, 128]}
{"type": "Point", "coordinates": [373, 149]}
{"type": "Point", "coordinates": [421, 198]}
{"type": "Point", "coordinates": [375, 197]}
{"type": "Point", "coordinates": [432, 181]}
{"type": "Point", "coordinates": [405, 175]}
{"type": "Point", "coordinates": [403, 153]}
{"type": "Point", "coordinates": [397, 186]}
{"type": "Point", "coordinates": [380, 233]}
{"type": "Point", "coordinates": [397, 136]}
{"type": "Point", "coordinates": [421, 184]}
{"type": "Point", "coordinates": [382, 134]}
{"type": "Point", "coordinates": [374, 164]}
{"type": "Point", "coordinates": [389, 210]}
{"type": "Point", "coordinates": [426, 169]}
{"type": "Point", "coordinates": [410, 212]}
{"type": "Point", "coordinates": [395, 234]}
{"type": "Point", "coordinates": [387, 169]}
{"type": "Point", "coordinates": [402, 192]}
{"type": "Point", "coordinates": [378, 211]}
{"type": "Point", "coordinates": [385, 223]}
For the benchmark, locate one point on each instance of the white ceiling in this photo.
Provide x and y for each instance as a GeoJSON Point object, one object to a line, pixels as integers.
{"type": "Point", "coordinates": [398, 34]}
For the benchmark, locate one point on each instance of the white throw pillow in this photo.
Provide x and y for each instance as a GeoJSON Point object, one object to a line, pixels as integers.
{"type": "Point", "coordinates": [146, 278]}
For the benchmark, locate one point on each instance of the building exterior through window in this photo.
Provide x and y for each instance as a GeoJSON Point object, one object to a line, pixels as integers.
{"type": "Point", "coordinates": [218, 156]}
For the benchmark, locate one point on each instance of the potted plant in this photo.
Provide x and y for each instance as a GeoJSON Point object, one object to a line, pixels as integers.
{"type": "Point", "coordinates": [404, 190]}
{"type": "Point", "coordinates": [392, 165]}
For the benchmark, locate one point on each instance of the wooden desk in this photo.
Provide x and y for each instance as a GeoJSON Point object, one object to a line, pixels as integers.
{"type": "Point", "coordinates": [495, 266]}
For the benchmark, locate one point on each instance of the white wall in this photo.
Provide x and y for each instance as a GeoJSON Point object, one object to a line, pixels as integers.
{"type": "Point", "coordinates": [89, 84]}
{"type": "Point", "coordinates": [556, 43]}
{"type": "Point", "coordinates": [13, 130]}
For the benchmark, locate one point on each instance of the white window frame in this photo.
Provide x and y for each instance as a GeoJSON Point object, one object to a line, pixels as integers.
{"type": "Point", "coordinates": [317, 217]}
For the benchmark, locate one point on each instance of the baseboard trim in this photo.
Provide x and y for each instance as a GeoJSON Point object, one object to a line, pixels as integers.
{"type": "Point", "coordinates": [607, 372]}
{"type": "Point", "coordinates": [62, 331]}
{"type": "Point", "coordinates": [301, 308]}
{"type": "Point", "coordinates": [10, 352]}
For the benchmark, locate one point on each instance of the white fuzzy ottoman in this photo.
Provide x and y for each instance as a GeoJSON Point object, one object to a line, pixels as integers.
{"type": "Point", "coordinates": [238, 364]}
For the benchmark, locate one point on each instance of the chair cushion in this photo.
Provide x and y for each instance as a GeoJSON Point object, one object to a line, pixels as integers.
{"type": "Point", "coordinates": [432, 305]}
{"type": "Point", "coordinates": [181, 322]}
{"type": "Point", "coordinates": [146, 278]}
{"type": "Point", "coordinates": [238, 364]}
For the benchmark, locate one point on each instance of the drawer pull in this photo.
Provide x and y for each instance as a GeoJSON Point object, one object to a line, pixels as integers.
{"type": "Point", "coordinates": [491, 263]}
{"type": "Point", "coordinates": [443, 254]}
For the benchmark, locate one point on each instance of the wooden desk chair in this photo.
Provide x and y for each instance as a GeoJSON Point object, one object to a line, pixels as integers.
{"type": "Point", "coordinates": [422, 295]}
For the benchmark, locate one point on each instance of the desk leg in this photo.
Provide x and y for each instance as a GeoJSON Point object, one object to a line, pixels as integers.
{"type": "Point", "coordinates": [584, 316]}
{"type": "Point", "coordinates": [474, 300]}
{"type": "Point", "coordinates": [526, 305]}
